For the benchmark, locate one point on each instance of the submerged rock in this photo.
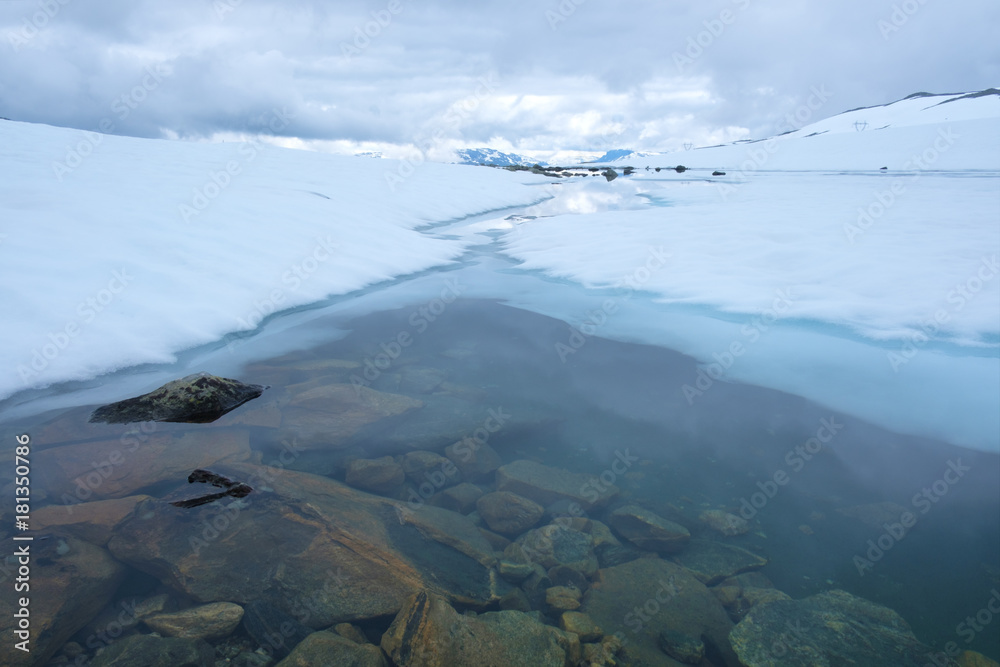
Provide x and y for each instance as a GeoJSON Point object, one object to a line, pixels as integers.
{"type": "Point", "coordinates": [209, 621]}
{"type": "Point", "coordinates": [428, 632]}
{"type": "Point", "coordinates": [274, 631]}
{"type": "Point", "coordinates": [724, 522]}
{"type": "Point", "coordinates": [313, 547]}
{"type": "Point", "coordinates": [71, 581]}
{"type": "Point", "coordinates": [508, 513]}
{"type": "Point", "coordinates": [648, 530]}
{"type": "Point", "coordinates": [832, 628]}
{"type": "Point", "coordinates": [640, 600]}
{"type": "Point", "coordinates": [195, 399]}
{"type": "Point", "coordinates": [382, 475]}
{"type": "Point", "coordinates": [152, 651]}
{"type": "Point", "coordinates": [712, 561]}
{"type": "Point", "coordinates": [546, 485]}
{"type": "Point", "coordinates": [321, 649]}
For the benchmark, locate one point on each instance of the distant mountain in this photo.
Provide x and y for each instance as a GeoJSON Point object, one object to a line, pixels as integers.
{"type": "Point", "coordinates": [493, 157]}
{"type": "Point", "coordinates": [617, 155]}
{"type": "Point", "coordinates": [374, 154]}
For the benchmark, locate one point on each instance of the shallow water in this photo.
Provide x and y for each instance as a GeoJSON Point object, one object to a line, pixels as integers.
{"type": "Point", "coordinates": [798, 471]}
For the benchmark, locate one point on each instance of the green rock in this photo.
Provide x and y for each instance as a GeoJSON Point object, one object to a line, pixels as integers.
{"type": "Point", "coordinates": [321, 649]}
{"type": "Point", "coordinates": [824, 630]}
{"type": "Point", "coordinates": [150, 651]}
{"type": "Point", "coordinates": [195, 399]}
{"type": "Point", "coordinates": [712, 561]}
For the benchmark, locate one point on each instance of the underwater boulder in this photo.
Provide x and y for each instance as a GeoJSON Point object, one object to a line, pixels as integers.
{"type": "Point", "coordinates": [831, 628]}
{"type": "Point", "coordinates": [196, 399]}
{"type": "Point", "coordinates": [428, 632]}
{"type": "Point", "coordinates": [648, 530]}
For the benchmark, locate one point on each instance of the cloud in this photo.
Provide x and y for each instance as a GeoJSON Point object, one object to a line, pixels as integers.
{"type": "Point", "coordinates": [567, 75]}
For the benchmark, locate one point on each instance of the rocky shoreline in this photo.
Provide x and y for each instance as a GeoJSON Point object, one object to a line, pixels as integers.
{"type": "Point", "coordinates": [440, 550]}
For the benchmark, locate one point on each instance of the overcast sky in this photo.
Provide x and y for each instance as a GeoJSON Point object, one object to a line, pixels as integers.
{"type": "Point", "coordinates": [536, 77]}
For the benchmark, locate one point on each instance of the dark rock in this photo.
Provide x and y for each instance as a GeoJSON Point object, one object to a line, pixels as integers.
{"type": "Point", "coordinates": [555, 544]}
{"type": "Point", "coordinates": [546, 485]}
{"type": "Point", "coordinates": [515, 572]}
{"type": "Point", "coordinates": [562, 598]}
{"type": "Point", "coordinates": [71, 581]}
{"type": "Point", "coordinates": [508, 513]}
{"type": "Point", "coordinates": [610, 174]}
{"type": "Point", "coordinates": [322, 649]}
{"type": "Point", "coordinates": [609, 555]}
{"type": "Point", "coordinates": [195, 399]}
{"type": "Point", "coordinates": [718, 173]}
{"type": "Point", "coordinates": [682, 646]}
{"type": "Point", "coordinates": [474, 459]}
{"type": "Point", "coordinates": [381, 475]}
{"type": "Point", "coordinates": [712, 561]}
{"type": "Point", "coordinates": [515, 600]}
{"type": "Point", "coordinates": [428, 632]}
{"type": "Point", "coordinates": [831, 628]}
{"type": "Point", "coordinates": [230, 489]}
{"type": "Point", "coordinates": [657, 169]}
{"type": "Point", "coordinates": [562, 575]}
{"type": "Point", "coordinates": [628, 171]}
{"type": "Point", "coordinates": [648, 530]}
{"type": "Point", "coordinates": [724, 522]}
{"type": "Point", "coordinates": [150, 651]}
{"type": "Point", "coordinates": [668, 597]}
{"type": "Point", "coordinates": [272, 629]}
{"type": "Point", "coordinates": [423, 467]}
{"type": "Point", "coordinates": [680, 169]}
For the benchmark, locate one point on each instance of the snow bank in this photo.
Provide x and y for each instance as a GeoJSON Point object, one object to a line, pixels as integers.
{"type": "Point", "coordinates": [120, 251]}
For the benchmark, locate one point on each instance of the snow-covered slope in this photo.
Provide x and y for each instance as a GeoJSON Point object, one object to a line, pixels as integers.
{"type": "Point", "coordinates": [493, 157]}
{"type": "Point", "coordinates": [119, 251]}
{"type": "Point", "coordinates": [919, 133]}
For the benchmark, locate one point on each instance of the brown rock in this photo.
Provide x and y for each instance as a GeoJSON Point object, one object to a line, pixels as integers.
{"type": "Point", "coordinates": [460, 498]}
{"type": "Point", "coordinates": [508, 513]}
{"type": "Point", "coordinates": [474, 459]}
{"type": "Point", "coordinates": [351, 632]}
{"type": "Point", "coordinates": [546, 485]}
{"type": "Point", "coordinates": [328, 416]}
{"type": "Point", "coordinates": [109, 469]}
{"type": "Point", "coordinates": [428, 632]}
{"type": "Point", "coordinates": [210, 621]}
{"type": "Point", "coordinates": [423, 467]}
{"type": "Point", "coordinates": [553, 545]}
{"type": "Point", "coordinates": [648, 530]}
{"type": "Point", "coordinates": [310, 543]}
{"type": "Point", "coordinates": [562, 598]}
{"type": "Point", "coordinates": [71, 581]}
{"type": "Point", "coordinates": [973, 659]}
{"type": "Point", "coordinates": [93, 522]}
{"type": "Point", "coordinates": [381, 475]}
{"type": "Point", "coordinates": [323, 649]}
{"type": "Point", "coordinates": [580, 624]}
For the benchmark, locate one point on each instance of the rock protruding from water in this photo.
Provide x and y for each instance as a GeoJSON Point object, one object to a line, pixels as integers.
{"type": "Point", "coordinates": [831, 628]}
{"type": "Point", "coordinates": [546, 485]}
{"type": "Point", "coordinates": [195, 399]}
{"type": "Point", "coordinates": [648, 530]}
{"type": "Point", "coordinates": [428, 632]}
